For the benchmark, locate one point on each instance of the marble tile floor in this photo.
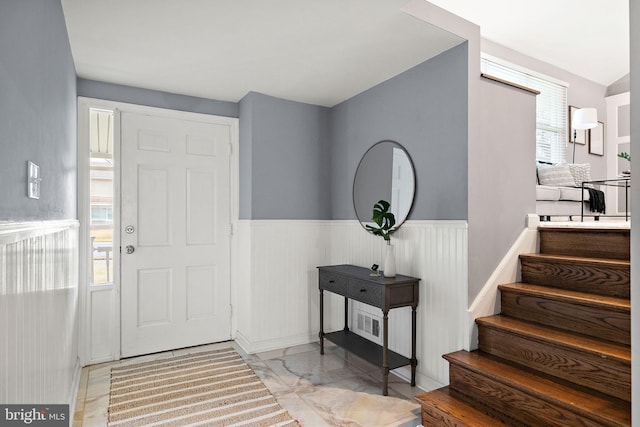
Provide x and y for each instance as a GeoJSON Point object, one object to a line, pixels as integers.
{"type": "Point", "coordinates": [337, 389]}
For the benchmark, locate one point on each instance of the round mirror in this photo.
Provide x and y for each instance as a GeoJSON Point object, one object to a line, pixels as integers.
{"type": "Point", "coordinates": [385, 173]}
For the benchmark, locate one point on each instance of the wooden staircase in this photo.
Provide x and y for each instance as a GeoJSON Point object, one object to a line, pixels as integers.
{"type": "Point", "coordinates": [559, 352]}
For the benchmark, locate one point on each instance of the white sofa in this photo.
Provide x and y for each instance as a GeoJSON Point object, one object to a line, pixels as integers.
{"type": "Point", "coordinates": [559, 191]}
{"type": "Point", "coordinates": [561, 201]}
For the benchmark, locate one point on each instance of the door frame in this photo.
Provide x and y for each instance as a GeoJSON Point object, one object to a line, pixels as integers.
{"type": "Point", "coordinates": [612, 143]}
{"type": "Point", "coordinates": [109, 336]}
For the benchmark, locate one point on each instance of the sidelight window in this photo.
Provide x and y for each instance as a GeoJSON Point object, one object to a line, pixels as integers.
{"type": "Point", "coordinates": [101, 195]}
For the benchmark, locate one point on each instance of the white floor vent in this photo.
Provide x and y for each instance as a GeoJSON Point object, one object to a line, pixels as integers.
{"type": "Point", "coordinates": [368, 324]}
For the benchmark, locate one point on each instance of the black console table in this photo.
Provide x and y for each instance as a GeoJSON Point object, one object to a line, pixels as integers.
{"type": "Point", "coordinates": [382, 292]}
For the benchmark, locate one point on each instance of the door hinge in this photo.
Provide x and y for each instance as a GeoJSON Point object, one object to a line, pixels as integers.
{"type": "Point", "coordinates": [230, 229]}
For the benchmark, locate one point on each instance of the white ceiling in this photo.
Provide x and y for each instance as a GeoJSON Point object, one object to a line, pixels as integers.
{"type": "Point", "coordinates": [324, 51]}
{"type": "Point", "coordinates": [321, 52]}
{"type": "Point", "coordinates": [589, 38]}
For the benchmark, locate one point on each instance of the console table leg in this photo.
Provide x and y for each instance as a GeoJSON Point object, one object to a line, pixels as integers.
{"type": "Point", "coordinates": [414, 360]}
{"type": "Point", "coordinates": [385, 354]}
{"type": "Point", "coordinates": [321, 333]}
{"type": "Point", "coordinates": [346, 313]}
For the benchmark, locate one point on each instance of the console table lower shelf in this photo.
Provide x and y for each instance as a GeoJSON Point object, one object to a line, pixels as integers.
{"type": "Point", "coordinates": [366, 349]}
{"type": "Point", "coordinates": [385, 293]}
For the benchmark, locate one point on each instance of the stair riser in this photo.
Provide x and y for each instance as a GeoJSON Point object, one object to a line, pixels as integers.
{"type": "Point", "coordinates": [597, 322]}
{"type": "Point", "coordinates": [590, 370]}
{"type": "Point", "coordinates": [600, 280]}
{"type": "Point", "coordinates": [437, 417]}
{"type": "Point", "coordinates": [614, 244]}
{"type": "Point", "coordinates": [526, 408]}
{"type": "Point", "coordinates": [442, 407]}
{"type": "Point", "coordinates": [434, 418]}
{"type": "Point", "coordinates": [565, 361]}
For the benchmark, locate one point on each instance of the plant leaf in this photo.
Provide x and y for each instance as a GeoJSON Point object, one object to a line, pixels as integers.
{"type": "Point", "coordinates": [384, 219]}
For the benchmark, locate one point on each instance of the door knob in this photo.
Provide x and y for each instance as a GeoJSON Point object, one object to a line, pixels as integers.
{"type": "Point", "coordinates": [130, 249]}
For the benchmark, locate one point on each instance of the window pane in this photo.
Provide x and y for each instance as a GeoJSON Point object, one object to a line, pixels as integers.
{"type": "Point", "coordinates": [101, 195]}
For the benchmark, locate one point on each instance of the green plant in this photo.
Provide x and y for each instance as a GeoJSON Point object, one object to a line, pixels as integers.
{"type": "Point", "coordinates": [384, 219]}
{"type": "Point", "coordinates": [625, 155]}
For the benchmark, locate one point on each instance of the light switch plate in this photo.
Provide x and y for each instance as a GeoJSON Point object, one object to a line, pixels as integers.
{"type": "Point", "coordinates": [33, 180]}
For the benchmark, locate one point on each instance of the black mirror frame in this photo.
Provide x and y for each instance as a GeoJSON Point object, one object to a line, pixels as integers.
{"type": "Point", "coordinates": [415, 183]}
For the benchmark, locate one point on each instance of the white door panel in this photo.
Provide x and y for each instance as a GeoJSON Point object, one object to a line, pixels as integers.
{"type": "Point", "coordinates": [175, 286]}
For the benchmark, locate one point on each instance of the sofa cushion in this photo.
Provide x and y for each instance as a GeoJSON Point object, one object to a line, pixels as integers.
{"type": "Point", "coordinates": [581, 172]}
{"type": "Point", "coordinates": [573, 194]}
{"type": "Point", "coordinates": [556, 175]}
{"type": "Point", "coordinates": [544, 192]}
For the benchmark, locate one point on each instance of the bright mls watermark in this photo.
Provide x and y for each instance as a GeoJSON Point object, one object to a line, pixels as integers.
{"type": "Point", "coordinates": [34, 415]}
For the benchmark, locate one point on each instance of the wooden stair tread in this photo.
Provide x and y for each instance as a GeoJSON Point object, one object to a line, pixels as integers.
{"type": "Point", "coordinates": [559, 338]}
{"type": "Point", "coordinates": [584, 298]}
{"type": "Point", "coordinates": [578, 259]}
{"type": "Point", "coordinates": [617, 230]}
{"type": "Point", "coordinates": [453, 408]}
{"type": "Point", "coordinates": [612, 409]}
{"type": "Point", "coordinates": [559, 354]}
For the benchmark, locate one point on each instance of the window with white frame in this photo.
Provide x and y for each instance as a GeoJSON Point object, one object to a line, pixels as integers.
{"type": "Point", "coordinates": [551, 106]}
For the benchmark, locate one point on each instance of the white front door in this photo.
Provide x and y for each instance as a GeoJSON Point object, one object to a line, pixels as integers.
{"type": "Point", "coordinates": [175, 231]}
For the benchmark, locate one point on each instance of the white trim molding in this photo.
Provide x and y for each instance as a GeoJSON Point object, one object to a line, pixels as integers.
{"type": "Point", "coordinates": [487, 302]}
{"type": "Point", "coordinates": [100, 304]}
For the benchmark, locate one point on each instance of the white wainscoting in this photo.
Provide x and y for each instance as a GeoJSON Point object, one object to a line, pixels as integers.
{"type": "Point", "coordinates": [277, 290]}
{"type": "Point", "coordinates": [38, 312]}
{"type": "Point", "coordinates": [275, 278]}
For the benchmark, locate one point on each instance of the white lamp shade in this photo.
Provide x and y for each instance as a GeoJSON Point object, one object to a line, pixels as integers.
{"type": "Point", "coordinates": [585, 118]}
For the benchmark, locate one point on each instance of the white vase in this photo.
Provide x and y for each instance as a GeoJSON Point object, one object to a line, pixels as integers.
{"type": "Point", "coordinates": [389, 263]}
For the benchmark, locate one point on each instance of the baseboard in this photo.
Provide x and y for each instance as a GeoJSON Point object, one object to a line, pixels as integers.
{"type": "Point", "coordinates": [243, 342]}
{"type": "Point", "coordinates": [423, 382]}
{"type": "Point", "coordinates": [75, 388]}
{"type": "Point", "coordinates": [275, 344]}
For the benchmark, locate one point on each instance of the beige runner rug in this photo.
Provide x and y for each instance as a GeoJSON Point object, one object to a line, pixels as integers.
{"type": "Point", "coordinates": [213, 388]}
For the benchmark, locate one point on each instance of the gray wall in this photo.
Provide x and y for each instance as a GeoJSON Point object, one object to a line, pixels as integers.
{"type": "Point", "coordinates": [38, 123]}
{"type": "Point", "coordinates": [503, 193]}
{"type": "Point", "coordinates": [37, 111]}
{"type": "Point", "coordinates": [298, 161]}
{"type": "Point", "coordinates": [284, 166]}
{"type": "Point", "coordinates": [154, 98]}
{"type": "Point", "coordinates": [581, 93]}
{"type": "Point", "coordinates": [245, 112]}
{"type": "Point", "coordinates": [423, 109]}
{"type": "Point", "coordinates": [634, 8]}
{"type": "Point", "coordinates": [621, 85]}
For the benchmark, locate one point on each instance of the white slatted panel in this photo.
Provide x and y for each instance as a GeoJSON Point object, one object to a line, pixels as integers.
{"type": "Point", "coordinates": [435, 251]}
{"type": "Point", "coordinates": [38, 312]}
{"type": "Point", "coordinates": [277, 284]}
{"type": "Point", "coordinates": [284, 287]}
